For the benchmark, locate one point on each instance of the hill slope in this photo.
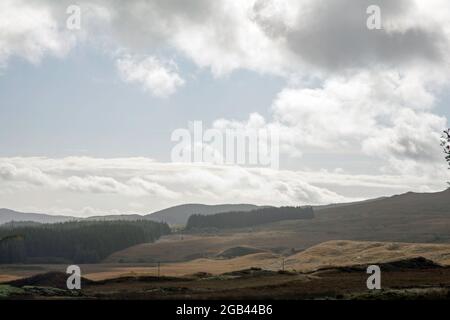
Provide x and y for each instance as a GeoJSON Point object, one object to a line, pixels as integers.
{"type": "Point", "coordinates": [410, 218]}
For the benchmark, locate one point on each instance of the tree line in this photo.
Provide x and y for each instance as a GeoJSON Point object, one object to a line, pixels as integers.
{"type": "Point", "coordinates": [248, 218]}
{"type": "Point", "coordinates": [74, 242]}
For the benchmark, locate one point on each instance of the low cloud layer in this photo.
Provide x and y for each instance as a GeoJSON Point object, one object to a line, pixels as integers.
{"type": "Point", "coordinates": [142, 185]}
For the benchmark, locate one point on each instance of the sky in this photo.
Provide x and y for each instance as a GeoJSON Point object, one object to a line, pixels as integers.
{"type": "Point", "coordinates": [87, 113]}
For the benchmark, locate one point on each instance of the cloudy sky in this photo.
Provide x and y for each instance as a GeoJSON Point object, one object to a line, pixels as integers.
{"type": "Point", "coordinates": [86, 115]}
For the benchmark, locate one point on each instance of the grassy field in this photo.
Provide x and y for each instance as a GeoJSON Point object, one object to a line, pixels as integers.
{"type": "Point", "coordinates": [332, 253]}
{"type": "Point", "coordinates": [414, 282]}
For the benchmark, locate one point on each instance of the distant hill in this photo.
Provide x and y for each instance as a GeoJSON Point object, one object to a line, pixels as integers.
{"type": "Point", "coordinates": [179, 215]}
{"type": "Point", "coordinates": [421, 217]}
{"type": "Point", "coordinates": [7, 215]}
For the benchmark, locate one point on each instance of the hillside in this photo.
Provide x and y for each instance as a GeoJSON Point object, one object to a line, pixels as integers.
{"type": "Point", "coordinates": [179, 215]}
{"type": "Point", "coordinates": [409, 218]}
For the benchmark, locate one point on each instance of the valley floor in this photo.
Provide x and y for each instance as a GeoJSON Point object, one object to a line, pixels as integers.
{"type": "Point", "coordinates": [331, 270]}
{"type": "Point", "coordinates": [421, 283]}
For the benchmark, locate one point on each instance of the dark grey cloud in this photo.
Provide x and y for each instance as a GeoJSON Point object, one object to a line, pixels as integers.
{"type": "Point", "coordinates": [333, 35]}
{"type": "Point", "coordinates": [150, 23]}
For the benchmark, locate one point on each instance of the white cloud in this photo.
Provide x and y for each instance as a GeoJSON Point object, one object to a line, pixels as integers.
{"type": "Point", "coordinates": [31, 31]}
{"type": "Point", "coordinates": [412, 136]}
{"type": "Point", "coordinates": [158, 77]}
{"type": "Point", "coordinates": [385, 115]}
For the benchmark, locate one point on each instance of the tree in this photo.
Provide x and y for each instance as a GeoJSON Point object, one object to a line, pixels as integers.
{"type": "Point", "coordinates": [445, 143]}
{"type": "Point", "coordinates": [240, 219]}
{"type": "Point", "coordinates": [12, 249]}
{"type": "Point", "coordinates": [75, 241]}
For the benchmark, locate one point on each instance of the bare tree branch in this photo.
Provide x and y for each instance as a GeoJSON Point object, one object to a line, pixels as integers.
{"type": "Point", "coordinates": [445, 144]}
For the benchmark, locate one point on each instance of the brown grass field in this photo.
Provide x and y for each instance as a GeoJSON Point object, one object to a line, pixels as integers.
{"type": "Point", "coordinates": [315, 273]}
{"type": "Point", "coordinates": [332, 253]}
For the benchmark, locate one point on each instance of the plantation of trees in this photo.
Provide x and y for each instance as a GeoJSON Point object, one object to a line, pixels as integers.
{"type": "Point", "coordinates": [248, 218]}
{"type": "Point", "coordinates": [76, 242]}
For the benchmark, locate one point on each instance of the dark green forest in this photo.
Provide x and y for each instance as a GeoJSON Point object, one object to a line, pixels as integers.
{"type": "Point", "coordinates": [74, 242]}
{"type": "Point", "coordinates": [248, 218]}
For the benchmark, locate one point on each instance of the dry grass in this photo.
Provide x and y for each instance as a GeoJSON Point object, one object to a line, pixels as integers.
{"type": "Point", "coordinates": [212, 266]}
{"type": "Point", "coordinates": [115, 270]}
{"type": "Point", "coordinates": [331, 253]}
{"type": "Point", "coordinates": [347, 253]}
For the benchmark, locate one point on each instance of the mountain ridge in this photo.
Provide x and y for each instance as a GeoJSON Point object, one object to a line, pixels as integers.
{"type": "Point", "coordinates": [178, 215]}
{"type": "Point", "coordinates": [172, 215]}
